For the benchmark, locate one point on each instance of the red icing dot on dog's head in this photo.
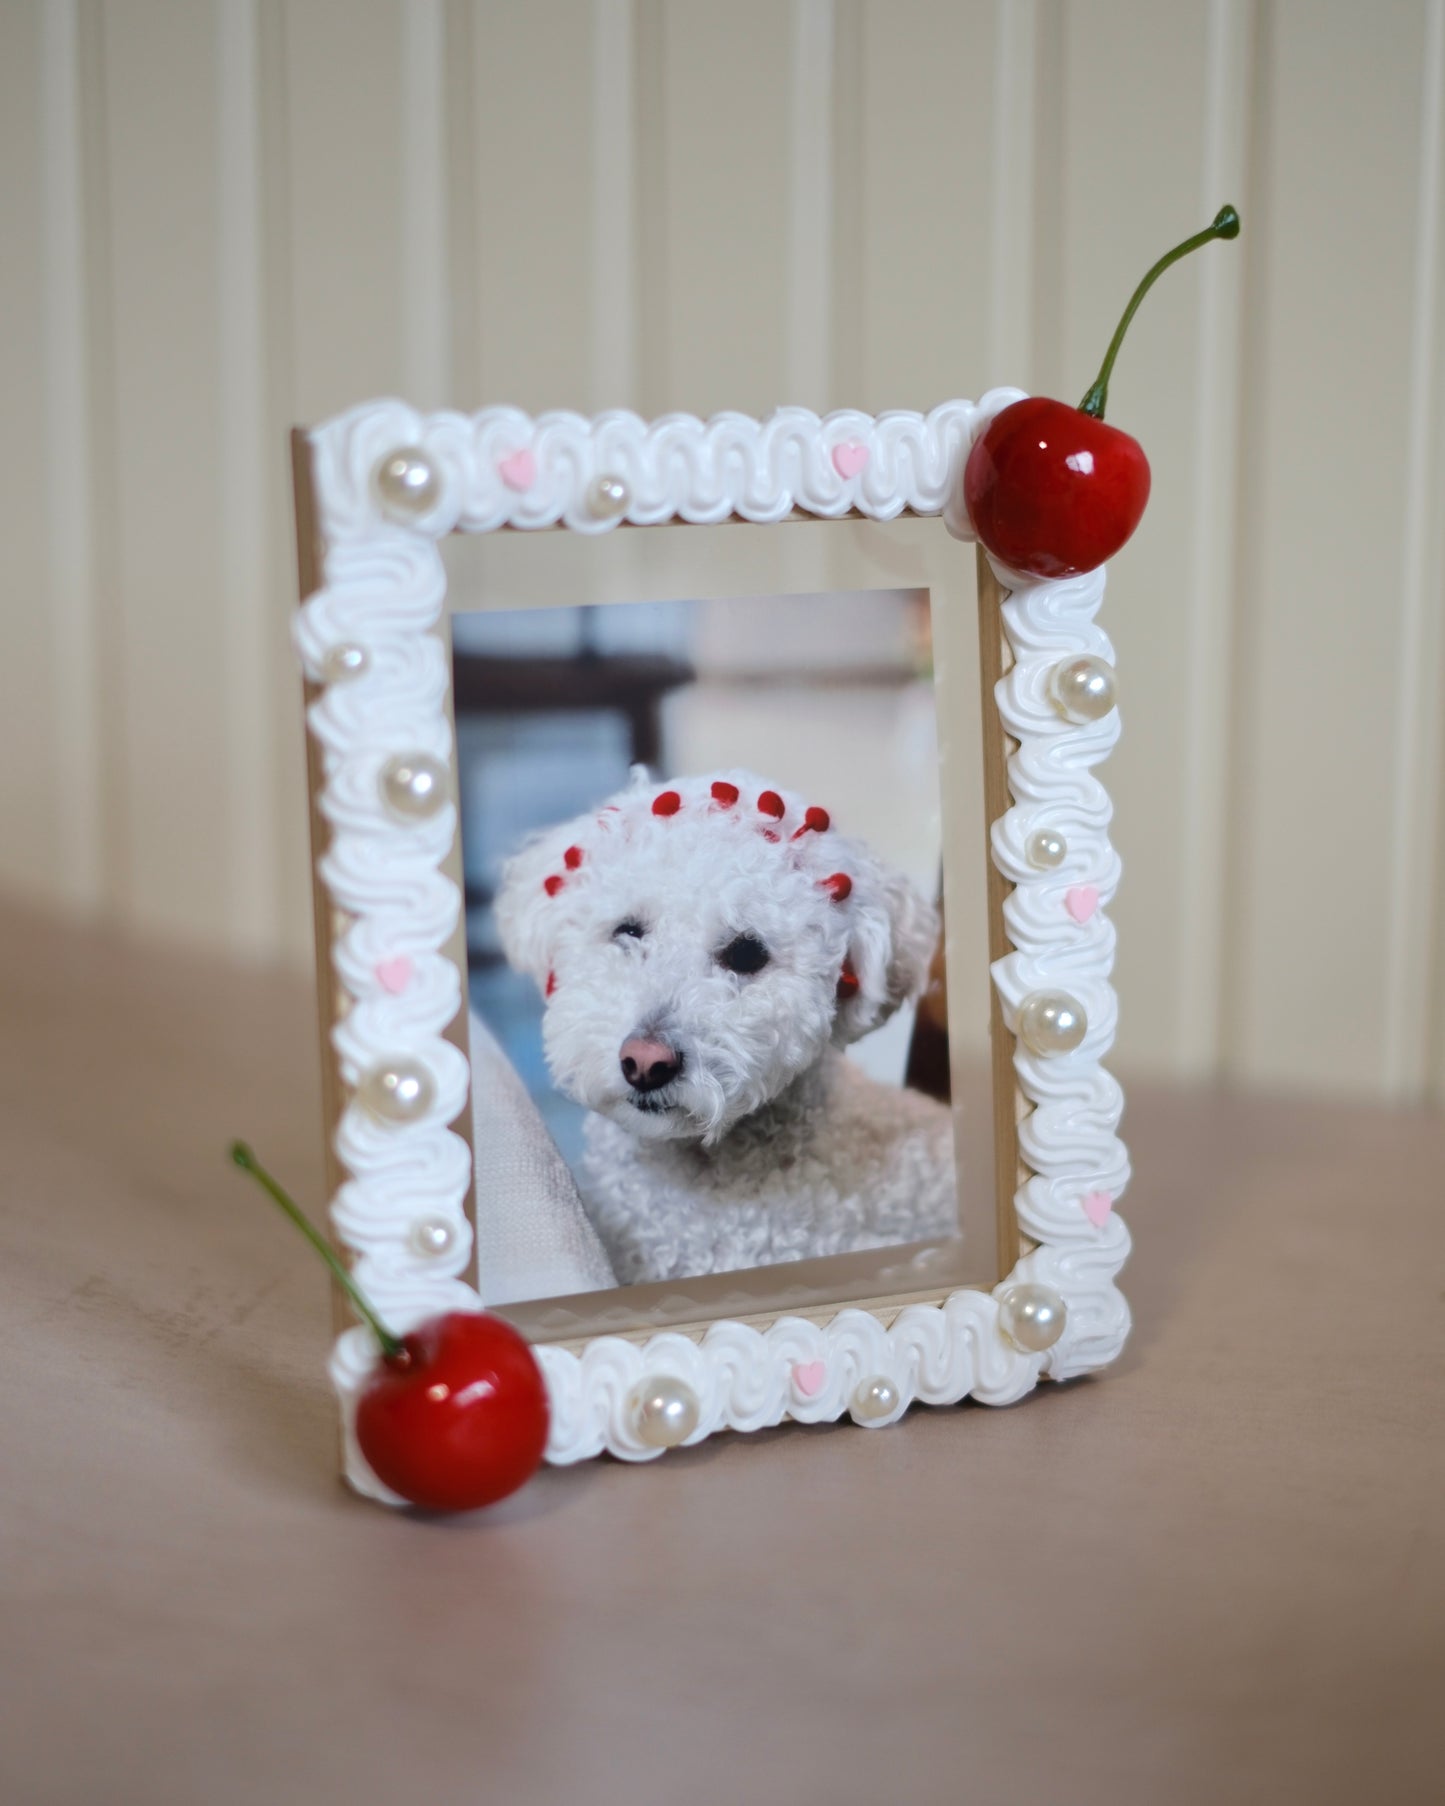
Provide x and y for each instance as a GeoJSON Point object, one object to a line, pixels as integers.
{"type": "Point", "coordinates": [838, 885]}
{"type": "Point", "coordinates": [553, 883]}
{"type": "Point", "coordinates": [724, 794]}
{"type": "Point", "coordinates": [770, 803]}
{"type": "Point", "coordinates": [668, 803]}
{"type": "Point", "coordinates": [572, 858]}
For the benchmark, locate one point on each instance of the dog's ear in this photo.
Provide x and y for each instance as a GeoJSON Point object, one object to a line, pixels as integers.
{"type": "Point", "coordinates": [893, 935]}
{"type": "Point", "coordinates": [531, 901]}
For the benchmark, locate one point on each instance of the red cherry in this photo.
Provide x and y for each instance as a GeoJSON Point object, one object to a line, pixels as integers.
{"type": "Point", "coordinates": [459, 1419]}
{"type": "Point", "coordinates": [1051, 490]}
{"type": "Point", "coordinates": [456, 1415]}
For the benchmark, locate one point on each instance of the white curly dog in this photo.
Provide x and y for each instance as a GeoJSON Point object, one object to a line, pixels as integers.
{"type": "Point", "coordinates": [706, 950]}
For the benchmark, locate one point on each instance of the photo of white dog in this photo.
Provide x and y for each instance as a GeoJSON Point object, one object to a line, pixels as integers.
{"type": "Point", "coordinates": [707, 948]}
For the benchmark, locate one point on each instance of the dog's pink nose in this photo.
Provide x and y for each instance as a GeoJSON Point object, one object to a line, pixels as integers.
{"type": "Point", "coordinates": [649, 1065]}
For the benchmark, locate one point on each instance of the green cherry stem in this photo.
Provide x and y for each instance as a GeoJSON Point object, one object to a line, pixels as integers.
{"type": "Point", "coordinates": [392, 1347]}
{"type": "Point", "coordinates": [1225, 224]}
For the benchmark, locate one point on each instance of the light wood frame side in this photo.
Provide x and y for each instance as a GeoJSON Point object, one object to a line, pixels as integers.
{"type": "Point", "coordinates": [995, 659]}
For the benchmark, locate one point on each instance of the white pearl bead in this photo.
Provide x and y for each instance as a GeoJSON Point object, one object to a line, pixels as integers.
{"type": "Point", "coordinates": [432, 1236]}
{"type": "Point", "coordinates": [875, 1399]}
{"type": "Point", "coordinates": [1051, 1022]}
{"type": "Point", "coordinates": [664, 1411]}
{"type": "Point", "coordinates": [608, 497]}
{"type": "Point", "coordinates": [408, 484]}
{"type": "Point", "coordinates": [1082, 689]}
{"type": "Point", "coordinates": [414, 784]}
{"type": "Point", "coordinates": [1032, 1317]}
{"type": "Point", "coordinates": [1045, 849]}
{"type": "Point", "coordinates": [401, 1091]}
{"type": "Point", "coordinates": [342, 662]}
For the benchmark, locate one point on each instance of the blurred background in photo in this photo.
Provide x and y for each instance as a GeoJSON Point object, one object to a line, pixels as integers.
{"type": "Point", "coordinates": [830, 695]}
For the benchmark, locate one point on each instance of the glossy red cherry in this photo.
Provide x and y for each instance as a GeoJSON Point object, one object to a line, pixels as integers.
{"type": "Point", "coordinates": [1051, 490]}
{"type": "Point", "coordinates": [456, 1415]}
{"type": "Point", "coordinates": [459, 1418]}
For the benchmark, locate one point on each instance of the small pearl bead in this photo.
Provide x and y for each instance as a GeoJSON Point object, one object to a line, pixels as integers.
{"type": "Point", "coordinates": [1032, 1317]}
{"type": "Point", "coordinates": [664, 1411]}
{"type": "Point", "coordinates": [343, 662]}
{"type": "Point", "coordinates": [432, 1236]}
{"type": "Point", "coordinates": [875, 1399]}
{"type": "Point", "coordinates": [1051, 1022]}
{"type": "Point", "coordinates": [414, 784]}
{"type": "Point", "coordinates": [1045, 849]}
{"type": "Point", "coordinates": [608, 497]}
{"type": "Point", "coordinates": [1082, 689]}
{"type": "Point", "coordinates": [401, 1091]}
{"type": "Point", "coordinates": [408, 484]}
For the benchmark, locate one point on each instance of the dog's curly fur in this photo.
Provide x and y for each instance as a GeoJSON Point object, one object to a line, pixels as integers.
{"type": "Point", "coordinates": [768, 1145]}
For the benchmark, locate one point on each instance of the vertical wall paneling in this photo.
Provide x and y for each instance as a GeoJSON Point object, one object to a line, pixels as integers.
{"type": "Point", "coordinates": [613, 237]}
{"type": "Point", "coordinates": [846, 226]}
{"type": "Point", "coordinates": [533, 96]}
{"type": "Point", "coordinates": [223, 218]}
{"type": "Point", "coordinates": [807, 346]}
{"type": "Point", "coordinates": [1131, 179]}
{"type": "Point", "coordinates": [161, 168]}
{"type": "Point", "coordinates": [1416, 791]}
{"type": "Point", "coordinates": [347, 234]}
{"type": "Point", "coordinates": [30, 790]}
{"type": "Point", "coordinates": [726, 92]}
{"type": "Point", "coordinates": [650, 211]}
{"type": "Point", "coordinates": [425, 313]}
{"type": "Point", "coordinates": [459, 116]}
{"type": "Point", "coordinates": [295, 939]}
{"type": "Point", "coordinates": [1012, 177]}
{"type": "Point", "coordinates": [244, 453]}
{"type": "Point", "coordinates": [928, 202]}
{"type": "Point", "coordinates": [1325, 599]}
{"type": "Point", "coordinates": [71, 599]}
{"type": "Point", "coordinates": [1207, 598]}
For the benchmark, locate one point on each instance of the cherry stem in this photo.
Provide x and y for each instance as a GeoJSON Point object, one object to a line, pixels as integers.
{"type": "Point", "coordinates": [391, 1346]}
{"type": "Point", "coordinates": [1225, 224]}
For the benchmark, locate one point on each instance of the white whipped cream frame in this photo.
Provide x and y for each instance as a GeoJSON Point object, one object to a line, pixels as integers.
{"type": "Point", "coordinates": [374, 581]}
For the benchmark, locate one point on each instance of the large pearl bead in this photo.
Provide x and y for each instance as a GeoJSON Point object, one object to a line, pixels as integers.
{"type": "Point", "coordinates": [874, 1399]}
{"type": "Point", "coordinates": [399, 1091]}
{"type": "Point", "coordinates": [664, 1411]}
{"type": "Point", "coordinates": [432, 1236]}
{"type": "Point", "coordinates": [414, 784]}
{"type": "Point", "coordinates": [408, 484]}
{"type": "Point", "coordinates": [343, 662]}
{"type": "Point", "coordinates": [608, 497]}
{"type": "Point", "coordinates": [1082, 689]}
{"type": "Point", "coordinates": [1044, 849]}
{"type": "Point", "coordinates": [1051, 1022]}
{"type": "Point", "coordinates": [1032, 1317]}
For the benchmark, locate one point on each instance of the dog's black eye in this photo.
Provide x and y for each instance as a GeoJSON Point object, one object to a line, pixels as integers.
{"type": "Point", "coordinates": [744, 953]}
{"type": "Point", "coordinates": [630, 927]}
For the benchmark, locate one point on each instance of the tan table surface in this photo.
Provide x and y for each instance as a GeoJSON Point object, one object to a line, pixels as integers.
{"type": "Point", "coordinates": [1213, 1575]}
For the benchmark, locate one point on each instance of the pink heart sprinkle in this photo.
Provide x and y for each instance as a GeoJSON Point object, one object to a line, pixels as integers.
{"type": "Point", "coordinates": [1097, 1205]}
{"type": "Point", "coordinates": [849, 458]}
{"type": "Point", "coordinates": [519, 471]}
{"type": "Point", "coordinates": [1081, 902]}
{"type": "Point", "coordinates": [394, 975]}
{"type": "Point", "coordinates": [810, 1377]}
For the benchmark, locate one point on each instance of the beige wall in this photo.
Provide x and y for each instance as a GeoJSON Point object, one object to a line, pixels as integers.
{"type": "Point", "coordinates": [218, 218]}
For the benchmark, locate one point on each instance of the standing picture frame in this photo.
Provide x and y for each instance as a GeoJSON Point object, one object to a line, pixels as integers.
{"type": "Point", "coordinates": [377, 490]}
